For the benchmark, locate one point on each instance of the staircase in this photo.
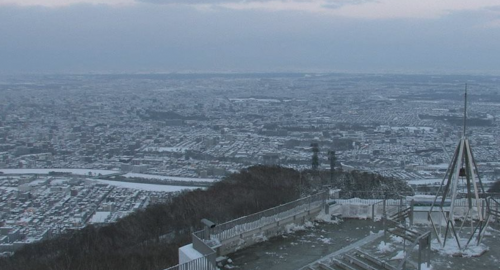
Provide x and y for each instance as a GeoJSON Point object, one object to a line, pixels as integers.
{"type": "Point", "coordinates": [401, 216]}
{"type": "Point", "coordinates": [405, 233]}
{"type": "Point", "coordinates": [352, 260]}
{"type": "Point", "coordinates": [396, 225]}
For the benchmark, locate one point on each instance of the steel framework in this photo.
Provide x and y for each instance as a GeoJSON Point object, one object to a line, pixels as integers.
{"type": "Point", "coordinates": [462, 167]}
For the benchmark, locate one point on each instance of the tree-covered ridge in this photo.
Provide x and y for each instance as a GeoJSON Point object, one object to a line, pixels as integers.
{"type": "Point", "coordinates": [370, 186]}
{"type": "Point", "coordinates": [495, 188]}
{"type": "Point", "coordinates": [149, 239]}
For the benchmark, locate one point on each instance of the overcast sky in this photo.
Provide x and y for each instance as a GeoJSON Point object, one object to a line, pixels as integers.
{"type": "Point", "coordinates": [429, 36]}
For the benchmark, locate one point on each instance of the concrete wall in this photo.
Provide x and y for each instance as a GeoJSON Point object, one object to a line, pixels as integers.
{"type": "Point", "coordinates": [261, 234]}
{"type": "Point", "coordinates": [362, 211]}
{"type": "Point", "coordinates": [366, 211]}
{"type": "Point", "coordinates": [187, 253]}
{"type": "Point", "coordinates": [421, 214]}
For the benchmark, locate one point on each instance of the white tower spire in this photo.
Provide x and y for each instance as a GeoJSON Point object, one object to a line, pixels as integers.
{"type": "Point", "coordinates": [462, 167]}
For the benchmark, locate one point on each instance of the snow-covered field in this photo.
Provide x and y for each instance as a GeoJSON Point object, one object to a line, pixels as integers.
{"type": "Point", "coordinates": [8, 188]}
{"type": "Point", "coordinates": [148, 187]}
{"type": "Point", "coordinates": [173, 178]}
{"type": "Point", "coordinates": [46, 171]}
{"type": "Point", "coordinates": [100, 217]}
{"type": "Point", "coordinates": [435, 181]}
{"type": "Point", "coordinates": [429, 181]}
{"type": "Point", "coordinates": [166, 149]}
{"type": "Point", "coordinates": [95, 172]}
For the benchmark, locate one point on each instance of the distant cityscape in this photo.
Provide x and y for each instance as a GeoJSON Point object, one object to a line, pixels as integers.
{"type": "Point", "coordinates": [112, 144]}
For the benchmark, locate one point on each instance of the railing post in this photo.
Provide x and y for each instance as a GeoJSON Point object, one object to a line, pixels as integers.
{"type": "Point", "coordinates": [428, 250]}
{"type": "Point", "coordinates": [412, 203]}
{"type": "Point", "coordinates": [496, 214]}
{"type": "Point", "coordinates": [384, 208]}
{"type": "Point", "coordinates": [400, 207]}
{"type": "Point", "coordinates": [206, 233]}
{"type": "Point", "coordinates": [384, 216]}
{"type": "Point", "coordinates": [419, 255]}
{"type": "Point", "coordinates": [483, 212]}
{"type": "Point", "coordinates": [326, 206]}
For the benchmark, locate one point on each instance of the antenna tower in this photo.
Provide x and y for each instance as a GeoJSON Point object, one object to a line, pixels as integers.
{"type": "Point", "coordinates": [469, 204]}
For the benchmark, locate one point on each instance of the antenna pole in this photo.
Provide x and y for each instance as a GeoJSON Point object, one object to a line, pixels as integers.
{"type": "Point", "coordinates": [465, 110]}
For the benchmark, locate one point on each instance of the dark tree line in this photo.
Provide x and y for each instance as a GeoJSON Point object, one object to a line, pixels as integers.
{"type": "Point", "coordinates": [360, 184]}
{"type": "Point", "coordinates": [149, 239]}
{"type": "Point", "coordinates": [371, 186]}
{"type": "Point", "coordinates": [495, 188]}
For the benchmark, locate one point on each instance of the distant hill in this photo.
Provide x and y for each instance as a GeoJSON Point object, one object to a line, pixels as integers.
{"type": "Point", "coordinates": [359, 184]}
{"type": "Point", "coordinates": [495, 188]}
{"type": "Point", "coordinates": [369, 186]}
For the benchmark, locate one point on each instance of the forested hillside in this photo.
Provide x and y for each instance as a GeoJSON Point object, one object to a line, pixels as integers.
{"type": "Point", "coordinates": [149, 239]}
{"type": "Point", "coordinates": [495, 188]}
{"type": "Point", "coordinates": [370, 186]}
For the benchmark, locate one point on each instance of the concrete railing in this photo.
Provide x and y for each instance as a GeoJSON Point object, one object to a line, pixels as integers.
{"type": "Point", "coordinates": [390, 202]}
{"type": "Point", "coordinates": [238, 233]}
{"type": "Point", "coordinates": [367, 208]}
{"type": "Point", "coordinates": [261, 219]}
{"type": "Point", "coordinates": [494, 207]}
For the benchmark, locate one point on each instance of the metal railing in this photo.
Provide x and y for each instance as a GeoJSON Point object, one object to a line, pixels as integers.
{"type": "Point", "coordinates": [494, 206]}
{"type": "Point", "coordinates": [390, 202]}
{"type": "Point", "coordinates": [260, 219]}
{"type": "Point", "coordinates": [424, 242]}
{"type": "Point", "coordinates": [463, 202]}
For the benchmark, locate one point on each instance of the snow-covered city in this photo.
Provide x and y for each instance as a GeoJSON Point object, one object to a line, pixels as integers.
{"type": "Point", "coordinates": [90, 150]}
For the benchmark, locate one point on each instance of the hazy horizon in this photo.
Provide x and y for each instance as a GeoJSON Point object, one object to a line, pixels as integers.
{"type": "Point", "coordinates": [228, 36]}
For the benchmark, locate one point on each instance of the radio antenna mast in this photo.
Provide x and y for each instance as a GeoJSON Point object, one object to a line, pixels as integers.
{"type": "Point", "coordinates": [465, 110]}
{"type": "Point", "coordinates": [462, 166]}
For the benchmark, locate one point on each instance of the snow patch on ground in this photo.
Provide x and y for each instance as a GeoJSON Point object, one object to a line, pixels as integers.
{"type": "Point", "coordinates": [325, 240]}
{"type": "Point", "coordinates": [327, 218]}
{"type": "Point", "coordinates": [424, 266]}
{"type": "Point", "coordinates": [384, 247]}
{"type": "Point", "coordinates": [260, 237]}
{"type": "Point", "coordinates": [292, 227]}
{"type": "Point", "coordinates": [397, 239]}
{"type": "Point", "coordinates": [452, 249]}
{"type": "Point", "coordinates": [400, 256]}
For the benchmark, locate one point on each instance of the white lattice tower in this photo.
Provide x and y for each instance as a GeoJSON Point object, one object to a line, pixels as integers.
{"type": "Point", "coordinates": [462, 166]}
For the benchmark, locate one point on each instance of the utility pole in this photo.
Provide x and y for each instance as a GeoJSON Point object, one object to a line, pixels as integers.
{"type": "Point", "coordinates": [333, 159]}
{"type": "Point", "coordinates": [315, 159]}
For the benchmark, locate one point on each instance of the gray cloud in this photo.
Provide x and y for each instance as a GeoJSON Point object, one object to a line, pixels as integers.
{"type": "Point", "coordinates": [187, 2]}
{"type": "Point", "coordinates": [84, 38]}
{"type": "Point", "coordinates": [330, 3]}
